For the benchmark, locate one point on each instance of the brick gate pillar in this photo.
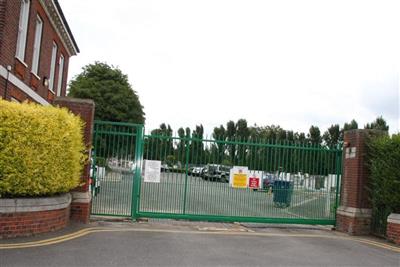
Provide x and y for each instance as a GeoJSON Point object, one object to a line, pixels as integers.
{"type": "Point", "coordinates": [354, 212]}
{"type": "Point", "coordinates": [81, 198]}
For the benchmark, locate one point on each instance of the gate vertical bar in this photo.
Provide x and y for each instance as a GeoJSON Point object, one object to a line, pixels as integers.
{"type": "Point", "coordinates": [137, 176]}
{"type": "Point", "coordinates": [339, 158]}
{"type": "Point", "coordinates": [186, 177]}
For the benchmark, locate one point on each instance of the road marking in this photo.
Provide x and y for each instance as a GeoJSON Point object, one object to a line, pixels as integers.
{"type": "Point", "coordinates": [86, 231]}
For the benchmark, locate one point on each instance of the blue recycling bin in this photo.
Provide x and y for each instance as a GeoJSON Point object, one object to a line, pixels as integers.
{"type": "Point", "coordinates": [282, 193]}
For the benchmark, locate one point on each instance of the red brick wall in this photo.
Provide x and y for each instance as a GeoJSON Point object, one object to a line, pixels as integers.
{"type": "Point", "coordinates": [80, 212]}
{"type": "Point", "coordinates": [9, 41]}
{"type": "Point", "coordinates": [30, 223]}
{"type": "Point", "coordinates": [352, 225]}
{"type": "Point", "coordinates": [393, 232]}
{"type": "Point", "coordinates": [2, 20]}
{"type": "Point", "coordinates": [354, 213]}
{"type": "Point", "coordinates": [14, 92]}
{"type": "Point", "coordinates": [85, 109]}
{"type": "Point", "coordinates": [355, 175]}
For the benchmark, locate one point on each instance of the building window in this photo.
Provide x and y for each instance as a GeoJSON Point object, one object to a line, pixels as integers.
{"type": "Point", "coordinates": [60, 75]}
{"type": "Point", "coordinates": [36, 45]}
{"type": "Point", "coordinates": [22, 29]}
{"type": "Point", "coordinates": [53, 66]}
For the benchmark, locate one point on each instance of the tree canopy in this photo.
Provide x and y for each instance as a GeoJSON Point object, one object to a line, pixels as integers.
{"type": "Point", "coordinates": [378, 124]}
{"type": "Point", "coordinates": [110, 89]}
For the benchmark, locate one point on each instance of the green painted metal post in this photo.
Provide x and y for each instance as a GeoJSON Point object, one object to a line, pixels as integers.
{"type": "Point", "coordinates": [339, 164]}
{"type": "Point", "coordinates": [186, 177]}
{"type": "Point", "coordinates": [138, 169]}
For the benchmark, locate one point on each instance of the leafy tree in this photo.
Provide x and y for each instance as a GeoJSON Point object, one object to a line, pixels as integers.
{"type": "Point", "coordinates": [242, 134]}
{"type": "Point", "coordinates": [197, 146]}
{"type": "Point", "coordinates": [160, 147]}
{"type": "Point", "coordinates": [300, 137]}
{"type": "Point", "coordinates": [110, 89]}
{"type": "Point", "coordinates": [290, 136]}
{"type": "Point", "coordinates": [346, 127]}
{"type": "Point", "coordinates": [230, 135]}
{"type": "Point", "coordinates": [378, 124]}
{"type": "Point", "coordinates": [350, 126]}
{"type": "Point", "coordinates": [314, 135]}
{"type": "Point", "coordinates": [332, 135]}
{"type": "Point", "coordinates": [181, 144]}
{"type": "Point", "coordinates": [219, 134]}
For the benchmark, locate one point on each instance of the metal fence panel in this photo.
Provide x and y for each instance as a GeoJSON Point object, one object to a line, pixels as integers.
{"type": "Point", "coordinates": [314, 174]}
{"type": "Point", "coordinates": [299, 182]}
{"type": "Point", "coordinates": [113, 167]}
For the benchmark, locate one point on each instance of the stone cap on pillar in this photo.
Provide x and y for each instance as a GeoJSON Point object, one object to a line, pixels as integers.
{"type": "Point", "coordinates": [394, 218]}
{"type": "Point", "coordinates": [74, 100]}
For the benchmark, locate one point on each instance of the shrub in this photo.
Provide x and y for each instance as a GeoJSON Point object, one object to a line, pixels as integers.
{"type": "Point", "coordinates": [41, 150]}
{"type": "Point", "coordinates": [101, 162]}
{"type": "Point", "coordinates": [385, 173]}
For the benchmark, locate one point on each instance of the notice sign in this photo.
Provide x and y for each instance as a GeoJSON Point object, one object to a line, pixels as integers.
{"type": "Point", "coordinates": [152, 171]}
{"type": "Point", "coordinates": [240, 180]}
{"type": "Point", "coordinates": [238, 177]}
{"type": "Point", "coordinates": [254, 182]}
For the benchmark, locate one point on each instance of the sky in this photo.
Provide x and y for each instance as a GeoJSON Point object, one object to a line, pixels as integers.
{"type": "Point", "coordinates": [288, 63]}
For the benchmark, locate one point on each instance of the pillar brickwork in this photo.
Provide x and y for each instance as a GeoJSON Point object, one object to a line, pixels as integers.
{"type": "Point", "coordinates": [81, 198]}
{"type": "Point", "coordinates": [354, 212]}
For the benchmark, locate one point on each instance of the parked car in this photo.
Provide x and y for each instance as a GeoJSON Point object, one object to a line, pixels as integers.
{"type": "Point", "coordinates": [216, 172]}
{"type": "Point", "coordinates": [165, 168]}
{"type": "Point", "coordinates": [190, 170]}
{"type": "Point", "coordinates": [197, 171]}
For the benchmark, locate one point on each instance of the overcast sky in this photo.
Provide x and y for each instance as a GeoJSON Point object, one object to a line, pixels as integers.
{"type": "Point", "coordinates": [288, 63]}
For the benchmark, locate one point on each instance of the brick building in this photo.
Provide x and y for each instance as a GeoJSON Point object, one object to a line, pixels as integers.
{"type": "Point", "coordinates": [35, 46]}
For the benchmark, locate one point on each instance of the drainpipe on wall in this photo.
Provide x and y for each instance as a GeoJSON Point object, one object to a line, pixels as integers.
{"type": "Point", "coordinates": [6, 87]}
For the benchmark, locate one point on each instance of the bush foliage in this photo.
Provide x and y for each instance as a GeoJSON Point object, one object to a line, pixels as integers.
{"type": "Point", "coordinates": [385, 173]}
{"type": "Point", "coordinates": [41, 150]}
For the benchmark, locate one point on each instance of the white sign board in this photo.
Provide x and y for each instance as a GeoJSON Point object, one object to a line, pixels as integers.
{"type": "Point", "coordinates": [152, 171]}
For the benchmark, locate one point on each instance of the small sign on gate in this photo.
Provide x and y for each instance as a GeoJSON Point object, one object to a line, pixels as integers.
{"type": "Point", "coordinates": [152, 171]}
{"type": "Point", "coordinates": [254, 182]}
{"type": "Point", "coordinates": [238, 177]}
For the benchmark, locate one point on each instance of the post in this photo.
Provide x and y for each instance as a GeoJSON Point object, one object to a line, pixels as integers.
{"type": "Point", "coordinates": [138, 176]}
{"type": "Point", "coordinates": [328, 196]}
{"type": "Point", "coordinates": [186, 177]}
{"type": "Point", "coordinates": [81, 198]}
{"type": "Point", "coordinates": [354, 213]}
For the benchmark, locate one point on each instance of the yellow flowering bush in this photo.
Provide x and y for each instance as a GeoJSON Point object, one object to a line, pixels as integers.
{"type": "Point", "coordinates": [41, 150]}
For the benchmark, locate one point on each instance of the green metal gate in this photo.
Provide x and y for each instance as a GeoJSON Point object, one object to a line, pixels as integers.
{"type": "Point", "coordinates": [300, 183]}
{"type": "Point", "coordinates": [115, 163]}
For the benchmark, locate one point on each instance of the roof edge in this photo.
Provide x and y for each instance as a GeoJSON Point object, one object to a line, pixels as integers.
{"type": "Point", "coordinates": [61, 13]}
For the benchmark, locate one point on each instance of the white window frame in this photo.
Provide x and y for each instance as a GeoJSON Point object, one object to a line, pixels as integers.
{"type": "Point", "coordinates": [36, 45]}
{"type": "Point", "coordinates": [22, 30]}
{"type": "Point", "coordinates": [60, 74]}
{"type": "Point", "coordinates": [53, 66]}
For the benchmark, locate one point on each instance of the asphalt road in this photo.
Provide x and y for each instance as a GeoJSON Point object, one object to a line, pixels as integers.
{"type": "Point", "coordinates": [204, 245]}
{"type": "Point", "coordinates": [206, 197]}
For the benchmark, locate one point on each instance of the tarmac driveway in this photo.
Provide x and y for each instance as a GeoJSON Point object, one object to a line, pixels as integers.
{"type": "Point", "coordinates": [168, 243]}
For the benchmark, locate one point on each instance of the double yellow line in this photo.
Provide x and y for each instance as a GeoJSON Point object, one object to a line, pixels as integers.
{"type": "Point", "coordinates": [86, 231]}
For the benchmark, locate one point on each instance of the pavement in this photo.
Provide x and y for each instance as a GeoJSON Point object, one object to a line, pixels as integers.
{"type": "Point", "coordinates": [183, 243]}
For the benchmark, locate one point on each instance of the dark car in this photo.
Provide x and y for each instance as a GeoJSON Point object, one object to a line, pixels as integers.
{"type": "Point", "coordinates": [216, 172]}
{"type": "Point", "coordinates": [165, 168]}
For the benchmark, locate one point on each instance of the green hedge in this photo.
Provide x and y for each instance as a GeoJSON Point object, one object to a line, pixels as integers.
{"type": "Point", "coordinates": [385, 173]}
{"type": "Point", "coordinates": [41, 150]}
